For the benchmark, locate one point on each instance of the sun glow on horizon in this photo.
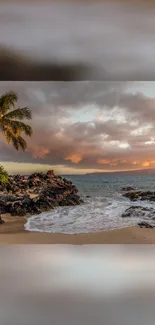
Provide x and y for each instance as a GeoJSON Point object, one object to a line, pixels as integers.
{"type": "Point", "coordinates": [85, 127]}
{"type": "Point", "coordinates": [26, 169]}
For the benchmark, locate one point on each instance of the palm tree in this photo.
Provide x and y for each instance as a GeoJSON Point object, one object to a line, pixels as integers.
{"type": "Point", "coordinates": [11, 118]}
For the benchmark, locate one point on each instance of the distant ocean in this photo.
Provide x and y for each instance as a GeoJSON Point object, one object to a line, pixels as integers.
{"type": "Point", "coordinates": [103, 208]}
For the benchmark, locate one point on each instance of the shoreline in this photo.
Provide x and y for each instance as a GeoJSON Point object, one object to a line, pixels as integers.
{"type": "Point", "coordinates": [13, 232]}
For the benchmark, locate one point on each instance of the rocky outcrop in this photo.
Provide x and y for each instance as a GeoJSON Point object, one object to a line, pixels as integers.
{"type": "Point", "coordinates": [139, 212]}
{"type": "Point", "coordinates": [128, 189]}
{"type": "Point", "coordinates": [142, 213]}
{"type": "Point", "coordinates": [145, 225]}
{"type": "Point", "coordinates": [140, 195]}
{"type": "Point", "coordinates": [37, 193]}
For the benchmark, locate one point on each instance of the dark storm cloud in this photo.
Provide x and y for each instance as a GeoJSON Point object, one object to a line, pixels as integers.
{"type": "Point", "coordinates": [106, 143]}
{"type": "Point", "coordinates": [77, 41]}
{"type": "Point", "coordinates": [139, 105]}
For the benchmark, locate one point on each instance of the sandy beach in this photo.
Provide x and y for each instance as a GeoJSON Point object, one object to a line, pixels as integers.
{"type": "Point", "coordinates": [13, 232]}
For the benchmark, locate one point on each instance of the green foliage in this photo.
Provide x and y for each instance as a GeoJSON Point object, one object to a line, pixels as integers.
{"type": "Point", "coordinates": [11, 118]}
{"type": "Point", "coordinates": [3, 175]}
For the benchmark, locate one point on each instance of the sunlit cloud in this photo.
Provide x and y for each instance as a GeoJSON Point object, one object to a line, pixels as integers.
{"type": "Point", "coordinates": [142, 130]}
{"type": "Point", "coordinates": [40, 153]}
{"type": "Point", "coordinates": [151, 141]}
{"type": "Point", "coordinates": [80, 129]}
{"type": "Point", "coordinates": [123, 145]}
{"type": "Point", "coordinates": [146, 164]}
{"type": "Point", "coordinates": [75, 158]}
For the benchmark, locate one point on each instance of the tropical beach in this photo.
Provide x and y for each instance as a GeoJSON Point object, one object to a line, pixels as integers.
{"type": "Point", "coordinates": [45, 208]}
{"type": "Point", "coordinates": [81, 171]}
{"type": "Point", "coordinates": [12, 232]}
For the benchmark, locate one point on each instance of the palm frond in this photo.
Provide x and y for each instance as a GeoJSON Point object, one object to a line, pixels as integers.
{"type": "Point", "coordinates": [2, 127]}
{"type": "Point", "coordinates": [22, 143]}
{"type": "Point", "coordinates": [20, 114]}
{"type": "Point", "coordinates": [27, 129]}
{"type": "Point", "coordinates": [16, 126]}
{"type": "Point", "coordinates": [11, 124]}
{"type": "Point", "coordinates": [7, 124]}
{"type": "Point", "coordinates": [17, 141]}
{"type": "Point", "coordinates": [7, 101]}
{"type": "Point", "coordinates": [10, 137]}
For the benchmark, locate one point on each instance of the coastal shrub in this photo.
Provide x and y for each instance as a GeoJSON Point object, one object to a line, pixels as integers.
{"type": "Point", "coordinates": [3, 175]}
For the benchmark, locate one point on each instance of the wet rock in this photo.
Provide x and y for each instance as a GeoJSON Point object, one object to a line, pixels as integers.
{"type": "Point", "coordinates": [128, 188]}
{"type": "Point", "coordinates": [16, 209]}
{"type": "Point", "coordinates": [2, 206]}
{"type": "Point", "coordinates": [140, 195]}
{"type": "Point", "coordinates": [29, 205]}
{"type": "Point", "coordinates": [139, 212]}
{"type": "Point", "coordinates": [152, 198]}
{"type": "Point", "coordinates": [51, 191]}
{"type": "Point", "coordinates": [73, 199]}
{"type": "Point", "coordinates": [44, 204]}
{"type": "Point", "coordinates": [145, 225]}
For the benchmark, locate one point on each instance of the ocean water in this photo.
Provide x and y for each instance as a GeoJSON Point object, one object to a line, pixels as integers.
{"type": "Point", "coordinates": [102, 208]}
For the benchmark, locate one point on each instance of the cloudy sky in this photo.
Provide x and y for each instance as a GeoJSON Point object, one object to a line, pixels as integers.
{"type": "Point", "coordinates": [86, 126]}
{"type": "Point", "coordinates": [115, 40]}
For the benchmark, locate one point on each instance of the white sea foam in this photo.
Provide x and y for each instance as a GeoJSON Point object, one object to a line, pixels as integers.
{"type": "Point", "coordinates": [96, 214]}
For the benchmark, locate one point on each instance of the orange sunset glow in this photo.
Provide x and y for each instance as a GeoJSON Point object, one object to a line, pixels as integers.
{"type": "Point", "coordinates": [74, 158]}
{"type": "Point", "coordinates": [79, 127]}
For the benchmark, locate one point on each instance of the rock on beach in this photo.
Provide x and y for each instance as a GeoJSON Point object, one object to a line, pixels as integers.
{"type": "Point", "coordinates": [37, 193]}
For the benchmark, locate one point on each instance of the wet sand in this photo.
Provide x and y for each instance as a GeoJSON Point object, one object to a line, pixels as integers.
{"type": "Point", "coordinates": [12, 232]}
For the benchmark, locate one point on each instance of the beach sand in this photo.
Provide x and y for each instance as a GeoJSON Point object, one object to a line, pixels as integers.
{"type": "Point", "coordinates": [12, 232]}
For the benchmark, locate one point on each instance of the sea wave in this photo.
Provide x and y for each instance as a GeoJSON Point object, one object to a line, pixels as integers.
{"type": "Point", "coordinates": [96, 214]}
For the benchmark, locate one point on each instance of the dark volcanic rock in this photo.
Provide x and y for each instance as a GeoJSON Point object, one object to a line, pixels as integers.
{"type": "Point", "coordinates": [139, 212]}
{"type": "Point", "coordinates": [2, 206]}
{"type": "Point", "coordinates": [51, 191]}
{"type": "Point", "coordinates": [22, 207]}
{"type": "Point", "coordinates": [50, 173]}
{"type": "Point", "coordinates": [145, 225]}
{"type": "Point", "coordinates": [142, 213]}
{"type": "Point", "coordinates": [140, 195]}
{"type": "Point", "coordinates": [71, 199]}
{"type": "Point", "coordinates": [43, 203]}
{"type": "Point", "coordinates": [128, 188]}
{"type": "Point", "coordinates": [2, 187]}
